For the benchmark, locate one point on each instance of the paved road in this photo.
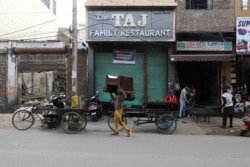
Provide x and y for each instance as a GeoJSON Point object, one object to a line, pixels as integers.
{"type": "Point", "coordinates": [188, 146]}
{"type": "Point", "coordinates": [50, 148]}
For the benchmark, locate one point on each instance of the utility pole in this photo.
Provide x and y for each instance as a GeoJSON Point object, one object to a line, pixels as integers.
{"type": "Point", "coordinates": [74, 56]}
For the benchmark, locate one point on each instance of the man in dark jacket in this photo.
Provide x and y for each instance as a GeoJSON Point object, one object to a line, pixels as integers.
{"type": "Point", "coordinates": [228, 108]}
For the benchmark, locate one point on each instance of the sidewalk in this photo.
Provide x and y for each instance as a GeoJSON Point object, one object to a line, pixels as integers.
{"type": "Point", "coordinates": [214, 126]}
{"type": "Point", "coordinates": [190, 128]}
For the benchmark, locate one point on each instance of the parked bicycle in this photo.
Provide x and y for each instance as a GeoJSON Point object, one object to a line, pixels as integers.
{"type": "Point", "coordinates": [72, 120]}
{"type": "Point", "coordinates": [44, 111]}
{"type": "Point", "coordinates": [24, 118]}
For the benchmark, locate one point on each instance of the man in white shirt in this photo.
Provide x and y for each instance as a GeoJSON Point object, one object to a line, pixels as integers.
{"type": "Point", "coordinates": [228, 102]}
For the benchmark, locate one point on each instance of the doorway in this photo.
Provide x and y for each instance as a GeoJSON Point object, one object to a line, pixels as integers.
{"type": "Point", "coordinates": [203, 76]}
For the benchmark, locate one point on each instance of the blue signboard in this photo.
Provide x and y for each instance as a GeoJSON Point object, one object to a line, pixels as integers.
{"type": "Point", "coordinates": [124, 56]}
{"type": "Point", "coordinates": [130, 25]}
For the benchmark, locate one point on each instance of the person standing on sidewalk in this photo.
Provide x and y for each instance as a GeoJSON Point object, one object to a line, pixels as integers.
{"type": "Point", "coordinates": [228, 108]}
{"type": "Point", "coordinates": [118, 104]}
{"type": "Point", "coordinates": [183, 100]}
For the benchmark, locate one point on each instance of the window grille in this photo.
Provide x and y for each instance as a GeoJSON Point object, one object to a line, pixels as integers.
{"type": "Point", "coordinates": [199, 4]}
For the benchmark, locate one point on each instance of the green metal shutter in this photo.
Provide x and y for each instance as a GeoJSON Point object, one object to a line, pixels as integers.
{"type": "Point", "coordinates": [104, 66]}
{"type": "Point", "coordinates": [157, 73]}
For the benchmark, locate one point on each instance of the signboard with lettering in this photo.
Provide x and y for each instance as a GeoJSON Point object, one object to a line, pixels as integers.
{"type": "Point", "coordinates": [243, 35]}
{"type": "Point", "coordinates": [204, 46]}
{"type": "Point", "coordinates": [130, 25]}
{"type": "Point", "coordinates": [124, 56]}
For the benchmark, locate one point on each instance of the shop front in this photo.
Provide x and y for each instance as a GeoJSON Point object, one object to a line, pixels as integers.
{"type": "Point", "coordinates": [132, 42]}
{"type": "Point", "coordinates": [205, 67]}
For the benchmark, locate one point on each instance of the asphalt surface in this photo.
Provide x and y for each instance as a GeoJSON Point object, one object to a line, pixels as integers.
{"type": "Point", "coordinates": [191, 127]}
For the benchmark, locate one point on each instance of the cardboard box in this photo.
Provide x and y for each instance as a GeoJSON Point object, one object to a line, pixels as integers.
{"type": "Point", "coordinates": [114, 83]}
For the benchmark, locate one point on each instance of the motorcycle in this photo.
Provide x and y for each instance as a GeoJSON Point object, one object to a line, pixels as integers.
{"type": "Point", "coordinates": [52, 117]}
{"type": "Point", "coordinates": [94, 107]}
{"type": "Point", "coordinates": [246, 126]}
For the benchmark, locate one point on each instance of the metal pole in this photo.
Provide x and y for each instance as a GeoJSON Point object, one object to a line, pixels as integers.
{"type": "Point", "coordinates": [74, 51]}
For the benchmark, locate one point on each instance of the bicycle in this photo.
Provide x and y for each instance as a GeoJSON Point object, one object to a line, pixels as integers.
{"type": "Point", "coordinates": [71, 121]}
{"type": "Point", "coordinates": [24, 117]}
{"type": "Point", "coordinates": [164, 121]}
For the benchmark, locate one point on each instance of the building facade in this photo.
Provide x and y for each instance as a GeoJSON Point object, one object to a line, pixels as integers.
{"type": "Point", "coordinates": [163, 45]}
{"type": "Point", "coordinates": [204, 52]}
{"type": "Point", "coordinates": [131, 38]}
{"type": "Point", "coordinates": [32, 20]}
{"type": "Point", "coordinates": [201, 53]}
{"type": "Point", "coordinates": [19, 57]}
{"type": "Point", "coordinates": [242, 17]}
{"type": "Point", "coordinates": [29, 46]}
{"type": "Point", "coordinates": [29, 21]}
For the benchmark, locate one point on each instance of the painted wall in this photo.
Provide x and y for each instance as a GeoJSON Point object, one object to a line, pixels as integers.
{"type": "Point", "coordinates": [31, 20]}
{"type": "Point", "coordinates": [239, 12]}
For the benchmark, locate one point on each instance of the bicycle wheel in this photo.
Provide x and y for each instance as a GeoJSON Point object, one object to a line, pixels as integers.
{"type": "Point", "coordinates": [73, 122]}
{"type": "Point", "coordinates": [23, 119]}
{"type": "Point", "coordinates": [166, 124]}
{"type": "Point", "coordinates": [84, 123]}
{"type": "Point", "coordinates": [111, 123]}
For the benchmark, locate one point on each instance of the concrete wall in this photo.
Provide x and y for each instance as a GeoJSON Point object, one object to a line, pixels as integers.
{"type": "Point", "coordinates": [28, 20]}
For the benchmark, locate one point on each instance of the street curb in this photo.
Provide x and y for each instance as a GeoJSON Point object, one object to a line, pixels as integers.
{"type": "Point", "coordinates": [189, 128]}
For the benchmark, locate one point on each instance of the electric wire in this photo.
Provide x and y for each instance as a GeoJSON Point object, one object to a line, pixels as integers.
{"type": "Point", "coordinates": [26, 28]}
{"type": "Point", "coordinates": [11, 33]}
{"type": "Point", "coordinates": [30, 27]}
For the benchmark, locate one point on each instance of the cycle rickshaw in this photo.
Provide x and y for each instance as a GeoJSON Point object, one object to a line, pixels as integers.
{"type": "Point", "coordinates": [162, 118]}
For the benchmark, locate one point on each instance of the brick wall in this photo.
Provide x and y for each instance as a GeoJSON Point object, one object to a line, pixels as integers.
{"type": "Point", "coordinates": [219, 19]}
{"type": "Point", "coordinates": [3, 77]}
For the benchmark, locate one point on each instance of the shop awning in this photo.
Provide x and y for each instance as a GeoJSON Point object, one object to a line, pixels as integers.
{"type": "Point", "coordinates": [203, 57]}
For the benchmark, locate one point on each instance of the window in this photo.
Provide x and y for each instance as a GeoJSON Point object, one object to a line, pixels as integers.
{"type": "Point", "coordinates": [199, 4]}
{"type": "Point", "coordinates": [245, 4]}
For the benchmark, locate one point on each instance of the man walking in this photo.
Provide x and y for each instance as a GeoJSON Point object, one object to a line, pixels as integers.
{"type": "Point", "coordinates": [118, 104]}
